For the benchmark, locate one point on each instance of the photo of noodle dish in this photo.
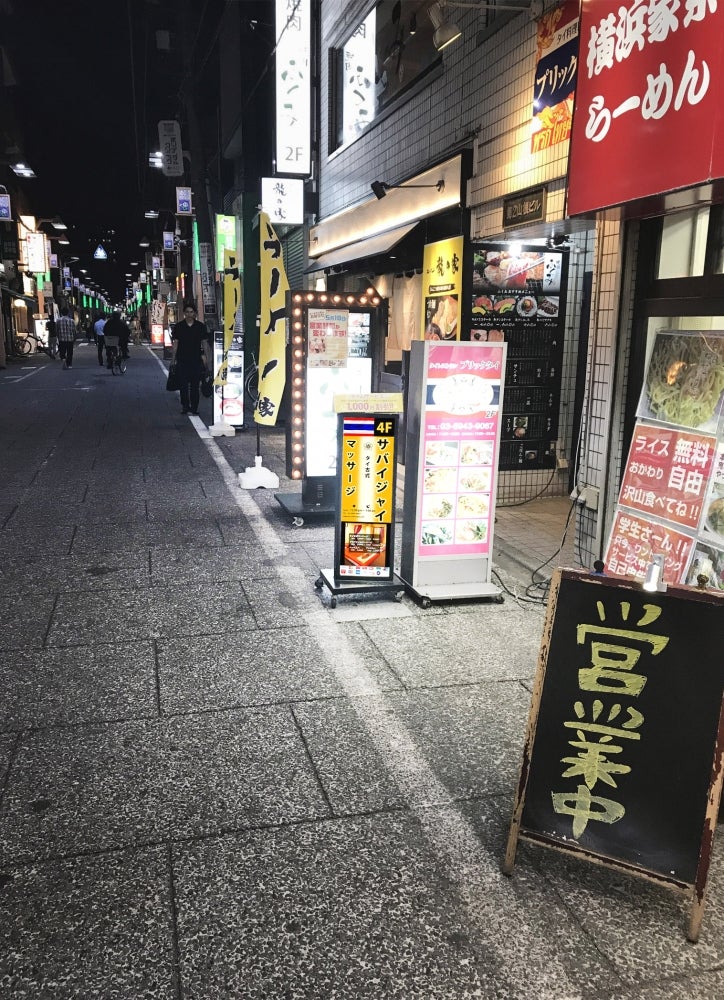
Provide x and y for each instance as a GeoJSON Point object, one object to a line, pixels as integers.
{"type": "Point", "coordinates": [476, 452]}
{"type": "Point", "coordinates": [473, 505]}
{"type": "Point", "coordinates": [438, 506]}
{"type": "Point", "coordinates": [441, 453]}
{"type": "Point", "coordinates": [467, 532]}
{"type": "Point", "coordinates": [714, 518]}
{"type": "Point", "coordinates": [707, 560]}
{"type": "Point", "coordinates": [439, 481]}
{"type": "Point", "coordinates": [685, 380]}
{"type": "Point", "coordinates": [476, 480]}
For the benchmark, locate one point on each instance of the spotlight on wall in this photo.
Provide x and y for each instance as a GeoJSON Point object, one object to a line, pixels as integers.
{"type": "Point", "coordinates": [380, 188]}
{"type": "Point", "coordinates": [446, 31]}
{"type": "Point", "coordinates": [654, 579]}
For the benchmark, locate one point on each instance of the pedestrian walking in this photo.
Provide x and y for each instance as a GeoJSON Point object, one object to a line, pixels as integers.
{"type": "Point", "coordinates": [66, 337]}
{"type": "Point", "coordinates": [52, 335]}
{"type": "Point", "coordinates": [135, 330]}
{"type": "Point", "coordinates": [100, 339]}
{"type": "Point", "coordinates": [189, 337]}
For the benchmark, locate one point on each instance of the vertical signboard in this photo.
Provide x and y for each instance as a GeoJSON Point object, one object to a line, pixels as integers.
{"type": "Point", "coordinates": [651, 77]}
{"type": "Point", "coordinates": [519, 297]}
{"type": "Point", "coordinates": [555, 76]}
{"type": "Point", "coordinates": [169, 138]}
{"type": "Point", "coordinates": [293, 87]}
{"type": "Point", "coordinates": [37, 253]}
{"type": "Point", "coordinates": [455, 400]}
{"type": "Point", "coordinates": [229, 350]}
{"type": "Point", "coordinates": [364, 540]}
{"type": "Point", "coordinates": [671, 500]}
{"type": "Point", "coordinates": [442, 273]}
{"type": "Point", "coordinates": [208, 288]}
{"type": "Point", "coordinates": [282, 198]}
{"type": "Point", "coordinates": [183, 201]}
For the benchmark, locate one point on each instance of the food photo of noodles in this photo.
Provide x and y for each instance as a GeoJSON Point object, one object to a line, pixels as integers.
{"type": "Point", "coordinates": [685, 379]}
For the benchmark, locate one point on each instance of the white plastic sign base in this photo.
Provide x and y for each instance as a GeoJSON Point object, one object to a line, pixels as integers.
{"type": "Point", "coordinates": [222, 429]}
{"type": "Point", "coordinates": [258, 476]}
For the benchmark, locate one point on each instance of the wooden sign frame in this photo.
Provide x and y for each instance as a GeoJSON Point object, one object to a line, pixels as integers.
{"type": "Point", "coordinates": [669, 774]}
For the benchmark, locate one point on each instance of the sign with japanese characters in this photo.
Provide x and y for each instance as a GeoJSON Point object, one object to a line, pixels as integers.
{"type": "Point", "coordinates": [327, 333]}
{"type": "Point", "coordinates": [293, 87]}
{"type": "Point", "coordinates": [272, 328]}
{"type": "Point", "coordinates": [366, 473]}
{"type": "Point", "coordinates": [225, 238]}
{"type": "Point", "coordinates": [442, 279]}
{"type": "Point", "coordinates": [169, 138]}
{"type": "Point", "coordinates": [282, 198]}
{"type": "Point", "coordinates": [183, 201]}
{"type": "Point", "coordinates": [519, 296]}
{"type": "Point", "coordinates": [461, 426]}
{"type": "Point", "coordinates": [621, 751]}
{"type": "Point", "coordinates": [37, 250]}
{"type": "Point", "coordinates": [673, 480]}
{"type": "Point", "coordinates": [555, 76]}
{"type": "Point", "coordinates": [650, 79]}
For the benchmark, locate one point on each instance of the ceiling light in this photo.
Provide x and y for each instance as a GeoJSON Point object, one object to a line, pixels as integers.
{"type": "Point", "coordinates": [144, 242]}
{"type": "Point", "coordinates": [57, 223]}
{"type": "Point", "coordinates": [151, 213]}
{"type": "Point", "coordinates": [22, 170]}
{"type": "Point", "coordinates": [446, 31]}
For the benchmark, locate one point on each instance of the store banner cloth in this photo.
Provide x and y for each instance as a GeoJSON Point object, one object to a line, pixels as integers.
{"type": "Point", "coordinates": [232, 304]}
{"type": "Point", "coordinates": [272, 329]}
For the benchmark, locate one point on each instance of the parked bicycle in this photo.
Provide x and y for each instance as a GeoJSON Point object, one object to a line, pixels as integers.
{"type": "Point", "coordinates": [28, 343]}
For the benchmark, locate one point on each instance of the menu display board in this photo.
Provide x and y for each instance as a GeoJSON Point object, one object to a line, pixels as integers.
{"type": "Point", "coordinates": [364, 541]}
{"type": "Point", "coordinates": [519, 297]}
{"type": "Point", "coordinates": [674, 476]}
{"type": "Point", "coordinates": [327, 338]}
{"type": "Point", "coordinates": [460, 430]}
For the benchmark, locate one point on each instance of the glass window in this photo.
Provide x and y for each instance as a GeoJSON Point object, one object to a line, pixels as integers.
{"type": "Point", "coordinates": [684, 243]}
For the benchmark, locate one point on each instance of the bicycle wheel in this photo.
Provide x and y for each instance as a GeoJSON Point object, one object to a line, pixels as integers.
{"type": "Point", "coordinates": [116, 365]}
{"type": "Point", "coordinates": [122, 365]}
{"type": "Point", "coordinates": [23, 345]}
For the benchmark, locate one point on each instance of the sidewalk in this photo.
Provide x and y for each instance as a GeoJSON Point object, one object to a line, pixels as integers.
{"type": "Point", "coordinates": [214, 786]}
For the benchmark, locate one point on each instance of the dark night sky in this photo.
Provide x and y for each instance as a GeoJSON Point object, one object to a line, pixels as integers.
{"type": "Point", "coordinates": [75, 108]}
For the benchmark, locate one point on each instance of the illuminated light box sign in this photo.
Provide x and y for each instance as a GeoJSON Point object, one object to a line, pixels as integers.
{"type": "Point", "coordinates": [623, 750]}
{"type": "Point", "coordinates": [282, 198]}
{"type": "Point", "coordinates": [293, 87]}
{"type": "Point", "coordinates": [364, 535]}
{"type": "Point", "coordinates": [454, 421]}
{"type": "Point", "coordinates": [650, 78]}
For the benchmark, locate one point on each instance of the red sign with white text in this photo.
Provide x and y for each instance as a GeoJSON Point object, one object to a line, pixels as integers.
{"type": "Point", "coordinates": [649, 115]}
{"type": "Point", "coordinates": [667, 474]}
{"type": "Point", "coordinates": [633, 542]}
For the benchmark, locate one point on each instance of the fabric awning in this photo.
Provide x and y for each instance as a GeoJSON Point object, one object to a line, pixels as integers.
{"type": "Point", "coordinates": [371, 247]}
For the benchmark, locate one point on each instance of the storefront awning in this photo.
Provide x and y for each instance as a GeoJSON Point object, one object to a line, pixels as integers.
{"type": "Point", "coordinates": [371, 247]}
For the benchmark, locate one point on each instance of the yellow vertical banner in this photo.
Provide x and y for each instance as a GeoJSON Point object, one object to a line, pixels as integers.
{"type": "Point", "coordinates": [442, 281]}
{"type": "Point", "coordinates": [232, 301]}
{"type": "Point", "coordinates": [272, 327]}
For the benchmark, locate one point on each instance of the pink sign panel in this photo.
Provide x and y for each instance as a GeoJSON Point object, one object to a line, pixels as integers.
{"type": "Point", "coordinates": [667, 474]}
{"type": "Point", "coordinates": [649, 86]}
{"type": "Point", "coordinates": [460, 435]}
{"type": "Point", "coordinates": [634, 540]}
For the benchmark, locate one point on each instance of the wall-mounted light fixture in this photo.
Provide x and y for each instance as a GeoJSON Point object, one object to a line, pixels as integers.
{"type": "Point", "coordinates": [446, 30]}
{"type": "Point", "coordinates": [380, 188]}
{"type": "Point", "coordinates": [144, 242]}
{"type": "Point", "coordinates": [654, 579]}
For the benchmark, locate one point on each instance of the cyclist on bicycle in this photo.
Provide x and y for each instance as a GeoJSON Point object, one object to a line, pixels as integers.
{"type": "Point", "coordinates": [116, 335]}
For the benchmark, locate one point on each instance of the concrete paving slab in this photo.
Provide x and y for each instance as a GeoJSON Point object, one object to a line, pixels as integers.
{"type": "Point", "coordinates": [162, 612]}
{"type": "Point", "coordinates": [28, 619]}
{"type": "Point", "coordinates": [102, 787]}
{"type": "Point", "coordinates": [200, 532]}
{"type": "Point", "coordinates": [73, 686]}
{"type": "Point", "coordinates": [88, 927]}
{"type": "Point", "coordinates": [63, 574]}
{"type": "Point", "coordinates": [471, 737]}
{"type": "Point", "coordinates": [497, 642]}
{"type": "Point", "coordinates": [8, 742]}
{"type": "Point", "coordinates": [340, 909]}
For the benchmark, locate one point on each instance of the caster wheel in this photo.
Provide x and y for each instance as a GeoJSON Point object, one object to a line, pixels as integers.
{"type": "Point", "coordinates": [318, 583]}
{"type": "Point", "coordinates": [425, 602]}
{"type": "Point", "coordinates": [333, 602]}
{"type": "Point", "coordinates": [399, 595]}
{"type": "Point", "coordinates": [500, 599]}
{"type": "Point", "coordinates": [297, 522]}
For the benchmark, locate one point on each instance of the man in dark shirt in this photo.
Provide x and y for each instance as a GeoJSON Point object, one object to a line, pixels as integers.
{"type": "Point", "coordinates": [189, 354]}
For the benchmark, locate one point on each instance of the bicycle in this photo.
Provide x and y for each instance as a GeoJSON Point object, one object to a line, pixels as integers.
{"type": "Point", "coordinates": [118, 361]}
{"type": "Point", "coordinates": [28, 343]}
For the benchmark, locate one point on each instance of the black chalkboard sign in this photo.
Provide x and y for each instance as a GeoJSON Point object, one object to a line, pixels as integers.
{"type": "Point", "coordinates": [623, 757]}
